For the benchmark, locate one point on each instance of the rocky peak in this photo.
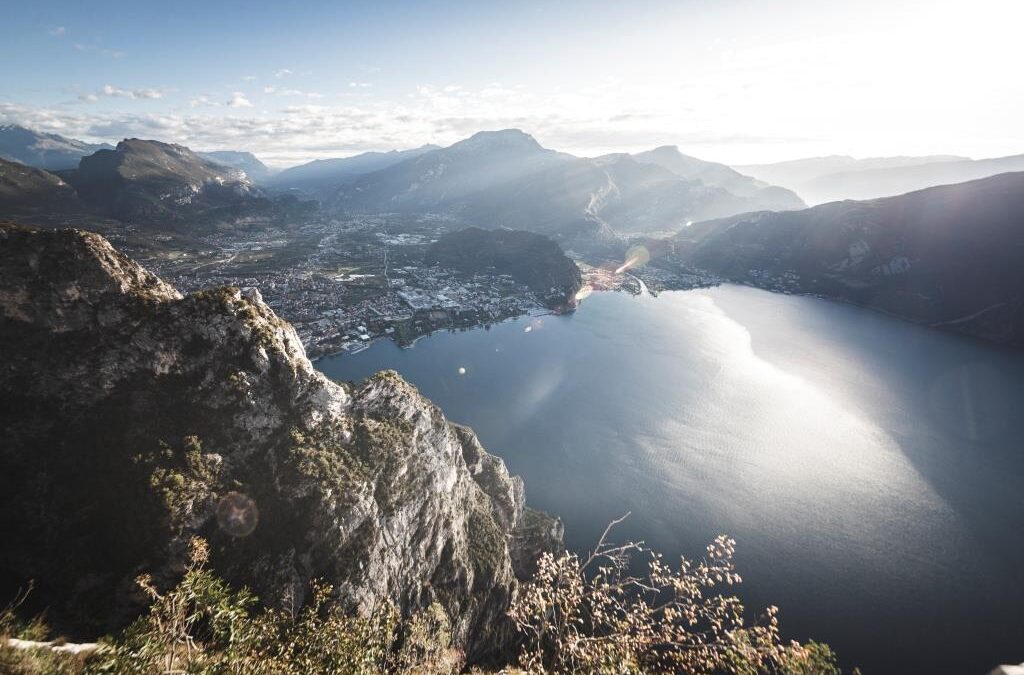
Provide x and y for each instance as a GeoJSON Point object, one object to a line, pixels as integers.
{"type": "Point", "coordinates": [132, 413]}
{"type": "Point", "coordinates": [69, 280]}
{"type": "Point", "coordinates": [503, 140]}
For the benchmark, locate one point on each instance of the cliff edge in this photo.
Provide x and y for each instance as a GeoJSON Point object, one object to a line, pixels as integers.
{"type": "Point", "coordinates": [135, 418]}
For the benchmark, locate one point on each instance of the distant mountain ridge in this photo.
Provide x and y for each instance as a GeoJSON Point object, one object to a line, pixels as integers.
{"type": "Point", "coordinates": [51, 152]}
{"type": "Point", "coordinates": [803, 170]}
{"type": "Point", "coordinates": [946, 256]}
{"type": "Point", "coordinates": [891, 181]}
{"type": "Point", "coordinates": [825, 179]}
{"type": "Point", "coordinates": [323, 177]}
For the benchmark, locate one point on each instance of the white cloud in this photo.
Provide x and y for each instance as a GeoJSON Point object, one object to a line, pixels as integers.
{"type": "Point", "coordinates": [291, 92]}
{"type": "Point", "coordinates": [110, 91]}
{"type": "Point", "coordinates": [360, 85]}
{"type": "Point", "coordinates": [284, 72]}
{"type": "Point", "coordinates": [198, 101]}
{"type": "Point", "coordinates": [249, 78]}
{"type": "Point", "coordinates": [91, 48]}
{"type": "Point", "coordinates": [238, 100]}
{"type": "Point", "coordinates": [58, 31]}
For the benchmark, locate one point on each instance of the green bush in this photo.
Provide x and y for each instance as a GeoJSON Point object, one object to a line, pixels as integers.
{"type": "Point", "coordinates": [203, 626]}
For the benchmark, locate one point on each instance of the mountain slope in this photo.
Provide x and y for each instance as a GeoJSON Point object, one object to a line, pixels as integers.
{"type": "Point", "coordinates": [529, 258]}
{"type": "Point", "coordinates": [135, 418]}
{"type": "Point", "coordinates": [22, 187]}
{"type": "Point", "coordinates": [255, 170]}
{"type": "Point", "coordinates": [43, 151]}
{"type": "Point", "coordinates": [609, 194]}
{"type": "Point", "coordinates": [946, 256]}
{"type": "Point", "coordinates": [322, 177]}
{"type": "Point", "coordinates": [150, 180]}
{"type": "Point", "coordinates": [761, 195]}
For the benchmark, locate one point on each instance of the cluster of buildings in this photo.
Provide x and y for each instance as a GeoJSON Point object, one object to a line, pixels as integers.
{"type": "Point", "coordinates": [345, 312]}
{"type": "Point", "coordinates": [413, 302]}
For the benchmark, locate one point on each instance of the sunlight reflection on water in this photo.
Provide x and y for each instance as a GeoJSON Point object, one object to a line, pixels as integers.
{"type": "Point", "coordinates": [868, 468]}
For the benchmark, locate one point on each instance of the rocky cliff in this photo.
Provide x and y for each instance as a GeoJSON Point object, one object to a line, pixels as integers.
{"type": "Point", "coordinates": [134, 418]}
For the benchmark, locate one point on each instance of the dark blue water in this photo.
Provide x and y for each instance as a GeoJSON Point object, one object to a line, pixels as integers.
{"type": "Point", "coordinates": [871, 471]}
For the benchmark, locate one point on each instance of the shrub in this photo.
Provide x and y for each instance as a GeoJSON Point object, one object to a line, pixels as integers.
{"type": "Point", "coordinates": [202, 626]}
{"type": "Point", "coordinates": [593, 615]}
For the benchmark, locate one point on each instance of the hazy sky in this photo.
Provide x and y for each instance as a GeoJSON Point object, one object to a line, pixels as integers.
{"type": "Point", "coordinates": [731, 80]}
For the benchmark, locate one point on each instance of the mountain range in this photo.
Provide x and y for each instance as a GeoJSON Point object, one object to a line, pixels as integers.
{"type": "Point", "coordinates": [827, 179]}
{"type": "Point", "coordinates": [507, 179]}
{"type": "Point", "coordinates": [43, 151]}
{"type": "Point", "coordinates": [495, 179]}
{"type": "Point", "coordinates": [946, 256]}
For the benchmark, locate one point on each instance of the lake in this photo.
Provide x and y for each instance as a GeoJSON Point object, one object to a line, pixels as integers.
{"type": "Point", "coordinates": [871, 471]}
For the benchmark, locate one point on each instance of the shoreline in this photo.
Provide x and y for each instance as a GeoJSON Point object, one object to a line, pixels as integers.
{"type": "Point", "coordinates": [540, 311]}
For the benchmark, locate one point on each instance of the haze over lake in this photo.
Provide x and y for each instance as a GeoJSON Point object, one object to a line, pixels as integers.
{"type": "Point", "coordinates": [870, 470]}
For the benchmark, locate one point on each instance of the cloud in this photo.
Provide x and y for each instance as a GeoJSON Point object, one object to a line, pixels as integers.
{"type": "Point", "coordinates": [284, 72]}
{"type": "Point", "coordinates": [238, 100]}
{"type": "Point", "coordinates": [360, 85]}
{"type": "Point", "coordinates": [91, 48]}
{"type": "Point", "coordinates": [110, 91]}
{"type": "Point", "coordinates": [58, 31]}
{"type": "Point", "coordinates": [197, 101]}
{"type": "Point", "coordinates": [249, 78]}
{"type": "Point", "coordinates": [291, 92]}
{"type": "Point", "coordinates": [570, 120]}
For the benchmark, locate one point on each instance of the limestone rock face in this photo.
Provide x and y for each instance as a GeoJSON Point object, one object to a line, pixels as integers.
{"type": "Point", "coordinates": [134, 418]}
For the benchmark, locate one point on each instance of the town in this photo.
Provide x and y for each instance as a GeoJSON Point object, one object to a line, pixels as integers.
{"type": "Point", "coordinates": [343, 282]}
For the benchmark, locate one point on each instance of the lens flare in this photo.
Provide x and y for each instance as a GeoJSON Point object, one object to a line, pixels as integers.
{"type": "Point", "coordinates": [237, 514]}
{"type": "Point", "coordinates": [636, 256]}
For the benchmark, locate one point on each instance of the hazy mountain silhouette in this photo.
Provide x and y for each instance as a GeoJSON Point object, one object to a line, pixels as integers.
{"type": "Point", "coordinates": [324, 176]}
{"type": "Point", "coordinates": [43, 151]}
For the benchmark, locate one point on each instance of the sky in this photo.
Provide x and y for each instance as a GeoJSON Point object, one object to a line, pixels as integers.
{"type": "Point", "coordinates": [736, 81]}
